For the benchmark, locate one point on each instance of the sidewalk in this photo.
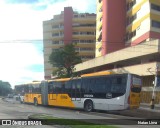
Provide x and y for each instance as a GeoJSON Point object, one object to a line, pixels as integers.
{"type": "Point", "coordinates": [147, 107]}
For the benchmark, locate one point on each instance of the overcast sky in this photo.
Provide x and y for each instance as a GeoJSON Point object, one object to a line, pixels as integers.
{"type": "Point", "coordinates": [21, 47]}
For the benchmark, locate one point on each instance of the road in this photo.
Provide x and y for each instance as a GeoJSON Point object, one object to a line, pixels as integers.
{"type": "Point", "coordinates": [14, 110]}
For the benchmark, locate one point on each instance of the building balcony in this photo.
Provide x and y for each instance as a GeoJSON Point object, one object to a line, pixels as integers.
{"type": "Point", "coordinates": [99, 15]}
{"type": "Point", "coordinates": [99, 25]}
{"type": "Point", "coordinates": [88, 19]}
{"type": "Point", "coordinates": [56, 29]}
{"type": "Point", "coordinates": [83, 53]}
{"type": "Point", "coordinates": [84, 27]}
{"type": "Point", "coordinates": [84, 35]}
{"type": "Point", "coordinates": [57, 21]}
{"type": "Point", "coordinates": [98, 45]}
{"type": "Point", "coordinates": [57, 36]}
{"type": "Point", "coordinates": [84, 43]}
{"type": "Point", "coordinates": [99, 6]}
{"type": "Point", "coordinates": [98, 35]}
{"type": "Point", "coordinates": [84, 49]}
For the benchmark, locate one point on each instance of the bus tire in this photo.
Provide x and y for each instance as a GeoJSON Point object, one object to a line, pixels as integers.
{"type": "Point", "coordinates": [35, 102]}
{"type": "Point", "coordinates": [88, 106]}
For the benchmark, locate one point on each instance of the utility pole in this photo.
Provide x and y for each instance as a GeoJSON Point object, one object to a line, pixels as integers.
{"type": "Point", "coordinates": [155, 84]}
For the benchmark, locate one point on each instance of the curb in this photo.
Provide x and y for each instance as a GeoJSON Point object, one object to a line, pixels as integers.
{"type": "Point", "coordinates": [38, 116]}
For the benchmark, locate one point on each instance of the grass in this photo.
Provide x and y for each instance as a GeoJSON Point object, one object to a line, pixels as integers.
{"type": "Point", "coordinates": [71, 123]}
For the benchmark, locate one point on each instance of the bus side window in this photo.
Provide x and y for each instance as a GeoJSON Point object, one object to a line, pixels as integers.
{"type": "Point", "coordinates": [26, 88]}
{"type": "Point", "coordinates": [54, 87]}
{"type": "Point", "coordinates": [36, 88]}
{"type": "Point", "coordinates": [30, 88]}
{"type": "Point", "coordinates": [68, 86]}
{"type": "Point", "coordinates": [58, 87]}
{"type": "Point", "coordinates": [73, 85]}
{"type": "Point", "coordinates": [78, 86]}
{"type": "Point", "coordinates": [108, 85]}
{"type": "Point", "coordinates": [92, 85]}
{"type": "Point", "coordinates": [117, 85]}
{"type": "Point", "coordinates": [85, 85]}
{"type": "Point", "coordinates": [50, 87]}
{"type": "Point", "coordinates": [63, 87]}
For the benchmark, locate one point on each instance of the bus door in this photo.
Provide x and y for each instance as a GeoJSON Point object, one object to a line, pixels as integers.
{"type": "Point", "coordinates": [76, 87]}
{"type": "Point", "coordinates": [29, 95]}
{"type": "Point", "coordinates": [52, 96]}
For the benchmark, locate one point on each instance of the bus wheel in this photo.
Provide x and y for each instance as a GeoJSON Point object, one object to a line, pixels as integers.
{"type": "Point", "coordinates": [88, 106]}
{"type": "Point", "coordinates": [35, 102]}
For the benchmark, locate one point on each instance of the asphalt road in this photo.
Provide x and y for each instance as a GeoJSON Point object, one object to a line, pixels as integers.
{"type": "Point", "coordinates": [14, 110]}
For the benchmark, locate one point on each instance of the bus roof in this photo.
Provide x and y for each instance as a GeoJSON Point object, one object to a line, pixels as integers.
{"type": "Point", "coordinates": [29, 83]}
{"type": "Point", "coordinates": [102, 73]}
{"type": "Point", "coordinates": [35, 82]}
{"type": "Point", "coordinates": [62, 79]}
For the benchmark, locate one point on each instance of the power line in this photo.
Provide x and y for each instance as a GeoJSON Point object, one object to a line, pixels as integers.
{"type": "Point", "coordinates": [111, 42]}
{"type": "Point", "coordinates": [37, 40]}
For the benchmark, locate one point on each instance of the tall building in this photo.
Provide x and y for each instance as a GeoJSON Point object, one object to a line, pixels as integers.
{"type": "Point", "coordinates": [69, 27]}
{"type": "Point", "coordinates": [125, 23]}
{"type": "Point", "coordinates": [110, 30]}
{"type": "Point", "coordinates": [143, 21]}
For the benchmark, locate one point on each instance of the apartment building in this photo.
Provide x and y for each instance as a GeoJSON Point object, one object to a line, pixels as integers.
{"type": "Point", "coordinates": [110, 28]}
{"type": "Point", "coordinates": [128, 41]}
{"type": "Point", "coordinates": [69, 27]}
{"type": "Point", "coordinates": [125, 23]}
{"type": "Point", "coordinates": [143, 21]}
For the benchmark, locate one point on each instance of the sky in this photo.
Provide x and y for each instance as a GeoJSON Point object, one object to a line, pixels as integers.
{"type": "Point", "coordinates": [21, 35]}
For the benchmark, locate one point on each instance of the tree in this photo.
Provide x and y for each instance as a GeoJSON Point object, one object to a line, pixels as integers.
{"type": "Point", "coordinates": [64, 60]}
{"type": "Point", "coordinates": [5, 88]}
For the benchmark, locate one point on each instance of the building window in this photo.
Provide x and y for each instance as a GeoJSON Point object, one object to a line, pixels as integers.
{"type": "Point", "coordinates": [75, 41]}
{"type": "Point", "coordinates": [82, 15]}
{"type": "Point", "coordinates": [155, 7]}
{"type": "Point", "coordinates": [130, 35]}
{"type": "Point", "coordinates": [86, 49]}
{"type": "Point", "coordinates": [155, 24]}
{"type": "Point", "coordinates": [87, 33]}
{"type": "Point", "coordinates": [100, 49]}
{"type": "Point", "coordinates": [100, 10]}
{"type": "Point", "coordinates": [75, 33]}
{"type": "Point", "coordinates": [55, 26]}
{"type": "Point", "coordinates": [55, 42]}
{"type": "Point", "coordinates": [131, 19]}
{"type": "Point", "coordinates": [76, 16]}
{"type": "Point", "coordinates": [100, 38]}
{"type": "Point", "coordinates": [131, 4]}
{"type": "Point", "coordinates": [101, 19]}
{"type": "Point", "coordinates": [55, 34]}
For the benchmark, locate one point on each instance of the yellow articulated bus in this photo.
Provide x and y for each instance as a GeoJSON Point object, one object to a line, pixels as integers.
{"type": "Point", "coordinates": [30, 92]}
{"type": "Point", "coordinates": [101, 91]}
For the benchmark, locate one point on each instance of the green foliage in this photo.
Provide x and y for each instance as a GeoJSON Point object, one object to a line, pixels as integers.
{"type": "Point", "coordinates": [5, 88]}
{"type": "Point", "coordinates": [64, 60]}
